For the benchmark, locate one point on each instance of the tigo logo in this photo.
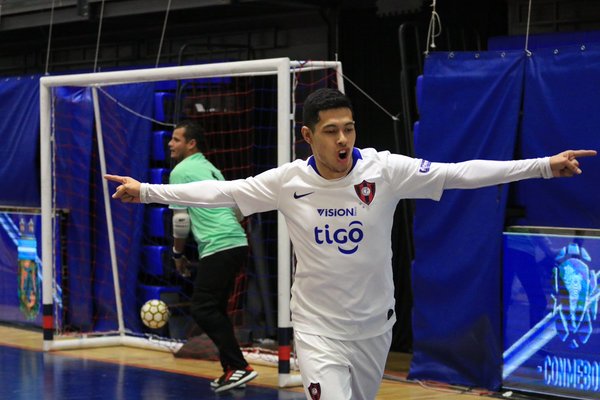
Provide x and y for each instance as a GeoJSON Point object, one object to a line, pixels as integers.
{"type": "Point", "coordinates": [346, 239]}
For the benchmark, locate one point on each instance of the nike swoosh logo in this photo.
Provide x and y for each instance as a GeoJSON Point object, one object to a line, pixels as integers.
{"type": "Point", "coordinates": [299, 196]}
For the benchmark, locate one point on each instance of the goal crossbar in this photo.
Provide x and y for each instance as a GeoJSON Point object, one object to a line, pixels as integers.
{"type": "Point", "coordinates": [236, 68]}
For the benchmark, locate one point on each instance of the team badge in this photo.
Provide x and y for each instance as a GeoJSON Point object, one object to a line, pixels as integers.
{"type": "Point", "coordinates": [365, 191]}
{"type": "Point", "coordinates": [425, 166]}
{"type": "Point", "coordinates": [315, 391]}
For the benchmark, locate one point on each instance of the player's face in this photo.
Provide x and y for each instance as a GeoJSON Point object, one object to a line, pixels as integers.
{"type": "Point", "coordinates": [332, 142]}
{"type": "Point", "coordinates": [179, 147]}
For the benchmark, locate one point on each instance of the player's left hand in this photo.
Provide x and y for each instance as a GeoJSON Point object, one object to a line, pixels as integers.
{"type": "Point", "coordinates": [565, 164]}
{"type": "Point", "coordinates": [128, 190]}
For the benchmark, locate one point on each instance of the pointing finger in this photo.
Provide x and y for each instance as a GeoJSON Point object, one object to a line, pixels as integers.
{"type": "Point", "coordinates": [115, 178]}
{"type": "Point", "coordinates": [581, 153]}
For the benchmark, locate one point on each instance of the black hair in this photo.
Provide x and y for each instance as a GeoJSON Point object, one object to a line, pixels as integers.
{"type": "Point", "coordinates": [323, 99]}
{"type": "Point", "coordinates": [193, 131]}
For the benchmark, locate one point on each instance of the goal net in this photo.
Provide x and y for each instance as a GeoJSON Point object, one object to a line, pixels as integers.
{"type": "Point", "coordinates": [102, 259]}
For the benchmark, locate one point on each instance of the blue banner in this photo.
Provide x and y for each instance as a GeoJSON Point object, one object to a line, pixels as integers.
{"type": "Point", "coordinates": [551, 293]}
{"type": "Point", "coordinates": [20, 268]}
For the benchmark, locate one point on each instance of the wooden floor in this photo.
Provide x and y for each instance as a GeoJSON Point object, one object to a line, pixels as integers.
{"type": "Point", "coordinates": [395, 386]}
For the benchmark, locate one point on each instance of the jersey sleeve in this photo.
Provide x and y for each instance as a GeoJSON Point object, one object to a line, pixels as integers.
{"type": "Point", "coordinates": [259, 193]}
{"type": "Point", "coordinates": [479, 173]}
{"type": "Point", "coordinates": [414, 178]}
{"type": "Point", "coordinates": [202, 172]}
{"type": "Point", "coordinates": [251, 195]}
{"type": "Point", "coordinates": [207, 194]}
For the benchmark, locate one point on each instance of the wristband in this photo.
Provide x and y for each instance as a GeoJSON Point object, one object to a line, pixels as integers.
{"type": "Point", "coordinates": [176, 255]}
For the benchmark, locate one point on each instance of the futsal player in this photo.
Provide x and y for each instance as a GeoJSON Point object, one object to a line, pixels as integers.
{"type": "Point", "coordinates": [339, 206]}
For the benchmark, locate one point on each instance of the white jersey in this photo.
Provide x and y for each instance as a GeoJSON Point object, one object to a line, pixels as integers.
{"type": "Point", "coordinates": [341, 229]}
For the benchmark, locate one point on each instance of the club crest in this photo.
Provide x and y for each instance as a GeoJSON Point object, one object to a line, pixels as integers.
{"type": "Point", "coordinates": [365, 191]}
{"type": "Point", "coordinates": [315, 391]}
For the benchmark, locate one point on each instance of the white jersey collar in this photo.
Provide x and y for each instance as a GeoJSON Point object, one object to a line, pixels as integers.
{"type": "Point", "coordinates": [355, 157]}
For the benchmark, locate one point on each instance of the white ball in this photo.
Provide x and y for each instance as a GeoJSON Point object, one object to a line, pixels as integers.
{"type": "Point", "coordinates": [155, 314]}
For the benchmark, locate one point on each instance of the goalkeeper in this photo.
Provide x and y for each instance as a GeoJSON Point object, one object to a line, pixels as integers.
{"type": "Point", "coordinates": [338, 206]}
{"type": "Point", "coordinates": [222, 250]}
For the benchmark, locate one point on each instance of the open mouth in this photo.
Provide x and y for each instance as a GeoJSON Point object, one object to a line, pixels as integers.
{"type": "Point", "coordinates": [342, 154]}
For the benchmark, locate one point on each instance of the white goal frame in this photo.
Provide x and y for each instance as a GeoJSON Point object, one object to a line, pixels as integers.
{"type": "Point", "coordinates": [282, 68]}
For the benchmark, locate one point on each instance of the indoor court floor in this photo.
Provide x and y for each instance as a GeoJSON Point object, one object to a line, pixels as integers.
{"type": "Point", "coordinates": [125, 373]}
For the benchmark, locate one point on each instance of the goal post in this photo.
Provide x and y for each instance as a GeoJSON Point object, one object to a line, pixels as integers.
{"type": "Point", "coordinates": [286, 73]}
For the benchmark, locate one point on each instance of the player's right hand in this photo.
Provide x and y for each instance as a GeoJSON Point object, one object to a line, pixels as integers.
{"type": "Point", "coordinates": [128, 190]}
{"type": "Point", "coordinates": [183, 266]}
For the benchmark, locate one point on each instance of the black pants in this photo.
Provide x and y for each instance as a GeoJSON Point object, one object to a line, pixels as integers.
{"type": "Point", "coordinates": [214, 282]}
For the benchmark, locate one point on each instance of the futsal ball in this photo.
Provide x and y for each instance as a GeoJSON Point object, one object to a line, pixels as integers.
{"type": "Point", "coordinates": [155, 314]}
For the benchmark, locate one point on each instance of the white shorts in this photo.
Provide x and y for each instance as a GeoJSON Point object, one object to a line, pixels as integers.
{"type": "Point", "coordinates": [334, 369]}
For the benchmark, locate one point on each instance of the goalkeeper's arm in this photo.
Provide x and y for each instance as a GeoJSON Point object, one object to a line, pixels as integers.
{"type": "Point", "coordinates": [181, 230]}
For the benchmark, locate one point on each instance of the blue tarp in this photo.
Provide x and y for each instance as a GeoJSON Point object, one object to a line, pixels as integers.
{"type": "Point", "coordinates": [561, 110]}
{"type": "Point", "coordinates": [127, 147]}
{"type": "Point", "coordinates": [19, 142]}
{"type": "Point", "coordinates": [470, 109]}
{"type": "Point", "coordinates": [127, 141]}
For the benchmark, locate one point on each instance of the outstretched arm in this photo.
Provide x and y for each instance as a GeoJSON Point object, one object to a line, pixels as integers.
{"type": "Point", "coordinates": [208, 194]}
{"type": "Point", "coordinates": [479, 173]}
